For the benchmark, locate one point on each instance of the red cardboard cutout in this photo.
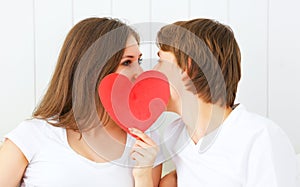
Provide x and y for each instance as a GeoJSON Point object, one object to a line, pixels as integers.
{"type": "Point", "coordinates": [137, 104]}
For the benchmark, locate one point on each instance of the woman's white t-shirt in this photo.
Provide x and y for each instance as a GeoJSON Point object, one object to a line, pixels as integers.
{"type": "Point", "coordinates": [52, 162]}
{"type": "Point", "coordinates": [247, 151]}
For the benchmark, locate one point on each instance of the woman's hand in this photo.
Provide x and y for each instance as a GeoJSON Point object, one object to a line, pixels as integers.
{"type": "Point", "coordinates": [144, 152]}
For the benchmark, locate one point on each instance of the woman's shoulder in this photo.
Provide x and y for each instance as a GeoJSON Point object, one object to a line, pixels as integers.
{"type": "Point", "coordinates": [31, 135]}
{"type": "Point", "coordinates": [37, 129]}
{"type": "Point", "coordinates": [29, 126]}
{"type": "Point", "coordinates": [34, 125]}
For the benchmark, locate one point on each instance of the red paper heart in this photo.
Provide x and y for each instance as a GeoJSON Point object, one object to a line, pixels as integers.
{"type": "Point", "coordinates": [137, 104]}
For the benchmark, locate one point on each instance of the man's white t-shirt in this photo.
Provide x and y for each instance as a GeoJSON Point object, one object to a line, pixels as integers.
{"type": "Point", "coordinates": [247, 151]}
{"type": "Point", "coordinates": [53, 163]}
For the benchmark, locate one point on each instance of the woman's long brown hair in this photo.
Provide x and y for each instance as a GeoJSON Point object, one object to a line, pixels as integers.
{"type": "Point", "coordinates": [92, 49]}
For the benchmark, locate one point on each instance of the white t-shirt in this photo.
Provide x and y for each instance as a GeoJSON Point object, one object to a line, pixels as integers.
{"type": "Point", "coordinates": [52, 162]}
{"type": "Point", "coordinates": [246, 151]}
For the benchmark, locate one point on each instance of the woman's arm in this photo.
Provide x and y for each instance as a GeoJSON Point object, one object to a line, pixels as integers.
{"type": "Point", "coordinates": [144, 152]}
{"type": "Point", "coordinates": [169, 180]}
{"type": "Point", "coordinates": [143, 178]}
{"type": "Point", "coordinates": [156, 175]}
{"type": "Point", "coordinates": [12, 164]}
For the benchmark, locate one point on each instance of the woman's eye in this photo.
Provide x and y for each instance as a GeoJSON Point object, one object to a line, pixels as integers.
{"type": "Point", "coordinates": [140, 60]}
{"type": "Point", "coordinates": [126, 63]}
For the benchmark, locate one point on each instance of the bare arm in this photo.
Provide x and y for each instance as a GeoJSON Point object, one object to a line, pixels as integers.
{"type": "Point", "coordinates": [143, 177]}
{"type": "Point", "coordinates": [12, 164]}
{"type": "Point", "coordinates": [169, 180]}
{"type": "Point", "coordinates": [156, 175]}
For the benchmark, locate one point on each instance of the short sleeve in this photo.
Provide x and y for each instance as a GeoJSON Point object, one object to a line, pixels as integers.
{"type": "Point", "coordinates": [171, 140]}
{"type": "Point", "coordinates": [25, 137]}
{"type": "Point", "coordinates": [272, 160]}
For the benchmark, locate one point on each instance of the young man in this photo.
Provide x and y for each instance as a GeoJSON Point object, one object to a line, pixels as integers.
{"type": "Point", "coordinates": [216, 142]}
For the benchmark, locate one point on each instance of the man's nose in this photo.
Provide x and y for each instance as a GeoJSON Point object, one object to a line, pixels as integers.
{"type": "Point", "coordinates": [156, 67]}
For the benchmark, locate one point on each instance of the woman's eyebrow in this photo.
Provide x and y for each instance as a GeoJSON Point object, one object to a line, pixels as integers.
{"type": "Point", "coordinates": [131, 56]}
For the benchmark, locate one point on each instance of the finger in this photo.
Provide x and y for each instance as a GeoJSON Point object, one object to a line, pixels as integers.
{"type": "Point", "coordinates": [146, 152]}
{"type": "Point", "coordinates": [145, 138]}
{"type": "Point", "coordinates": [149, 151]}
{"type": "Point", "coordinates": [136, 156]}
{"type": "Point", "coordinates": [140, 151]}
{"type": "Point", "coordinates": [154, 149]}
{"type": "Point", "coordinates": [140, 143]}
{"type": "Point", "coordinates": [135, 148]}
{"type": "Point", "coordinates": [143, 158]}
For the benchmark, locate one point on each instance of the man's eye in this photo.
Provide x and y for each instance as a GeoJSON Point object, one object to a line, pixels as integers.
{"type": "Point", "coordinates": [140, 60]}
{"type": "Point", "coordinates": [126, 63]}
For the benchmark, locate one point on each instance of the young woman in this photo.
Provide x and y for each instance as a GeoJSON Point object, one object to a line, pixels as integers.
{"type": "Point", "coordinates": [71, 140]}
{"type": "Point", "coordinates": [217, 143]}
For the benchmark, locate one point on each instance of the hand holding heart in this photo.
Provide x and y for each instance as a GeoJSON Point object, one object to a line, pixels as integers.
{"type": "Point", "coordinates": [134, 105]}
{"type": "Point", "coordinates": [144, 150]}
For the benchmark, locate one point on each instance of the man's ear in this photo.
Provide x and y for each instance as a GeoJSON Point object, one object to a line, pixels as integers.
{"type": "Point", "coordinates": [189, 64]}
{"type": "Point", "coordinates": [188, 83]}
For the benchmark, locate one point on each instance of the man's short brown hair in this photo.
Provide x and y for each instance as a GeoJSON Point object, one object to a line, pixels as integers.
{"type": "Point", "coordinates": [205, 41]}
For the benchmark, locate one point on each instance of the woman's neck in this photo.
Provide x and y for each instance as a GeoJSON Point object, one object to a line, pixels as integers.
{"type": "Point", "coordinates": [100, 144]}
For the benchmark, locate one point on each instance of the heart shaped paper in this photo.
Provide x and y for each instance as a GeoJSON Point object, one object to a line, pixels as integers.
{"type": "Point", "coordinates": [137, 104]}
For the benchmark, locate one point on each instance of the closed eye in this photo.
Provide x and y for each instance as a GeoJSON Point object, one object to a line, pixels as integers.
{"type": "Point", "coordinates": [140, 61]}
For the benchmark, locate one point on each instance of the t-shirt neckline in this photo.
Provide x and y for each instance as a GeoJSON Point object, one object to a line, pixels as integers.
{"type": "Point", "coordinates": [93, 163]}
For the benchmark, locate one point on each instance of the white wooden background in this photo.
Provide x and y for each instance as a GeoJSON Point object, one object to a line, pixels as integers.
{"type": "Point", "coordinates": [268, 32]}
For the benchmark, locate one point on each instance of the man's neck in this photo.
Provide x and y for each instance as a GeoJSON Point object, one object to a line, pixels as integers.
{"type": "Point", "coordinates": [208, 118]}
